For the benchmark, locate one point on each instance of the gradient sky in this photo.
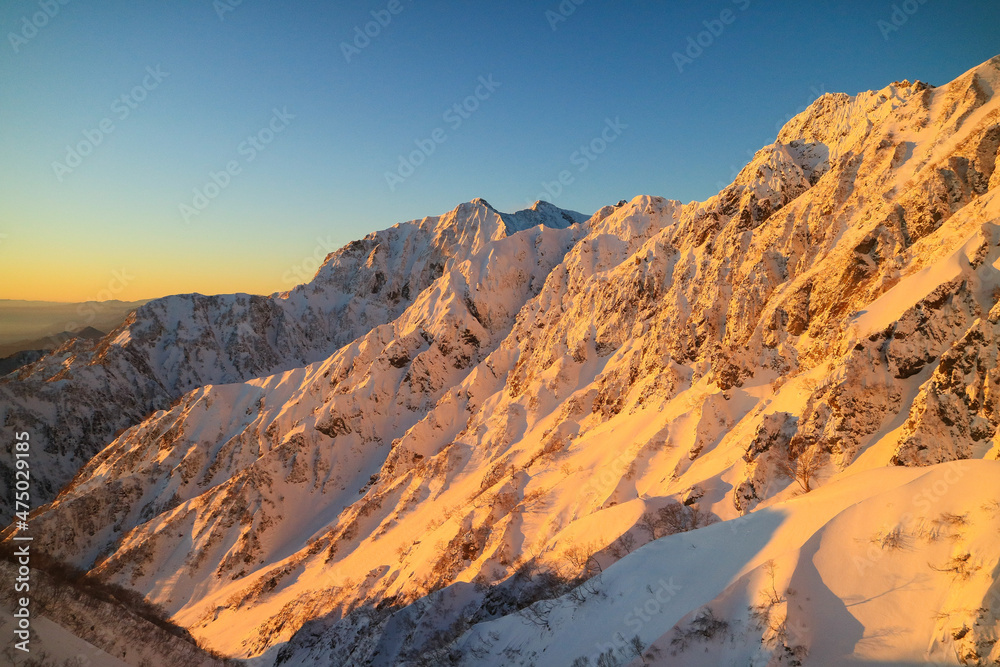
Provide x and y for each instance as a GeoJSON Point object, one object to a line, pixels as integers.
{"type": "Point", "coordinates": [112, 227]}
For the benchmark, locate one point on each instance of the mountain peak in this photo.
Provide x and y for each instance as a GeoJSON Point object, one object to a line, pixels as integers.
{"type": "Point", "coordinates": [989, 68]}
{"type": "Point", "coordinates": [482, 202]}
{"type": "Point", "coordinates": [542, 213]}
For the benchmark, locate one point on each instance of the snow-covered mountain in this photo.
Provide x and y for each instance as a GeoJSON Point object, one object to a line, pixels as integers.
{"type": "Point", "coordinates": [759, 429]}
{"type": "Point", "coordinates": [77, 398]}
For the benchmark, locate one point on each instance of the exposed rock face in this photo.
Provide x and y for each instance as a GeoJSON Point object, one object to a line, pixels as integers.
{"type": "Point", "coordinates": [507, 394]}
{"type": "Point", "coordinates": [956, 409]}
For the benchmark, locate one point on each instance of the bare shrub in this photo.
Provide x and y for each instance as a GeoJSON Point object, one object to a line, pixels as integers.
{"type": "Point", "coordinates": [803, 468]}
{"type": "Point", "coordinates": [704, 627]}
{"type": "Point", "coordinates": [671, 519]}
{"type": "Point", "coordinates": [961, 567]}
{"type": "Point", "coordinates": [954, 520]}
{"type": "Point", "coordinates": [622, 546]}
{"type": "Point", "coordinates": [768, 616]}
{"type": "Point", "coordinates": [608, 659]}
{"type": "Point", "coordinates": [582, 558]}
{"type": "Point", "coordinates": [889, 539]}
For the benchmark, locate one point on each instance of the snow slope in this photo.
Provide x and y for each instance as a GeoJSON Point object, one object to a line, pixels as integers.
{"type": "Point", "coordinates": [883, 567]}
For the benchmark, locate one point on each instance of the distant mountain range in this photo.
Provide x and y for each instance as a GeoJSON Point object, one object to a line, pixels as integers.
{"type": "Point", "coordinates": [25, 349]}
{"type": "Point", "coordinates": [25, 323]}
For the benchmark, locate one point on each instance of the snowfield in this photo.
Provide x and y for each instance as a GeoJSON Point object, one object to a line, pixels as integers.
{"type": "Point", "coordinates": [862, 571]}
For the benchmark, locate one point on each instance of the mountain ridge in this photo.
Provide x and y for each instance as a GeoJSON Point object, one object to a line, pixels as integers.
{"type": "Point", "coordinates": [488, 476]}
{"type": "Point", "coordinates": [173, 344]}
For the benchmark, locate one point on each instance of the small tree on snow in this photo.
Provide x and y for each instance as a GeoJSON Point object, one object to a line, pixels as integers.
{"type": "Point", "coordinates": [804, 468]}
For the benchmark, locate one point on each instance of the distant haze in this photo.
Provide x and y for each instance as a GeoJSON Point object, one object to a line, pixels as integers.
{"type": "Point", "coordinates": [24, 320]}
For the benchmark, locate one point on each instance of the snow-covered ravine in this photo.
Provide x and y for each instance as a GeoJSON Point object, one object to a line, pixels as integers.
{"type": "Point", "coordinates": [760, 429]}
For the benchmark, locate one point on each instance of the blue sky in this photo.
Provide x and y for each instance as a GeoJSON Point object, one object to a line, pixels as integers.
{"type": "Point", "coordinates": [300, 136]}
